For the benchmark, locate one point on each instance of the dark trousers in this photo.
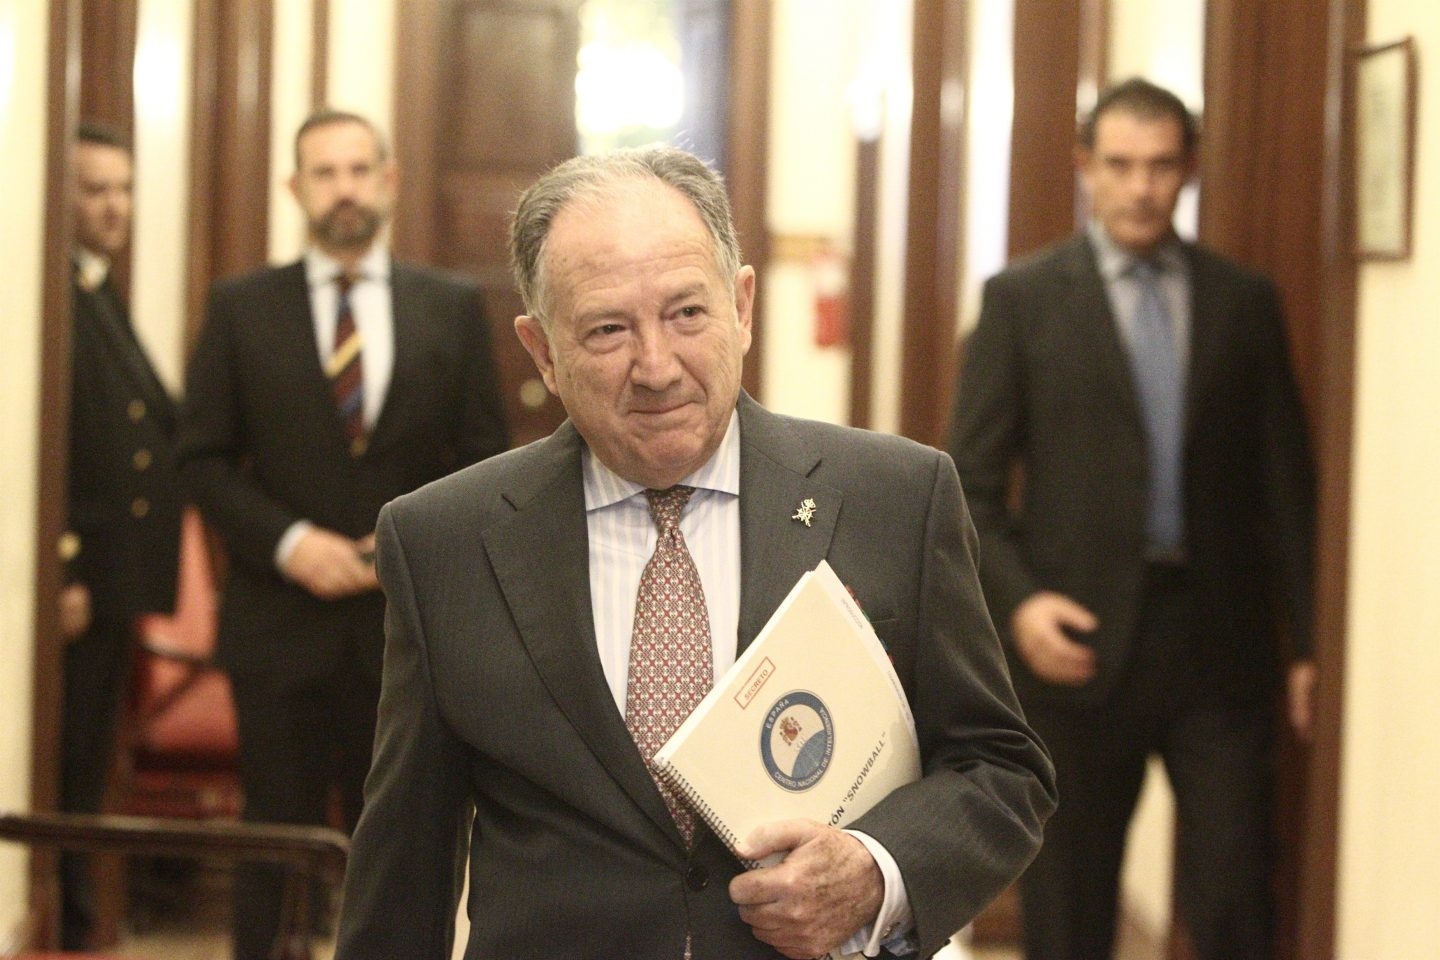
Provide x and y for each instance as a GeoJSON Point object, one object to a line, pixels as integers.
{"type": "Point", "coordinates": [96, 665]}
{"type": "Point", "coordinates": [299, 739]}
{"type": "Point", "coordinates": [1218, 757]}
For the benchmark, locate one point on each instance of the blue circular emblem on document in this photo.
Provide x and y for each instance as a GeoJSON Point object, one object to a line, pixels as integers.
{"type": "Point", "coordinates": [797, 740]}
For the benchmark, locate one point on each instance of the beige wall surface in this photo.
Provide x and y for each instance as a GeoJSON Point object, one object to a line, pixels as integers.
{"type": "Point", "coordinates": [23, 41]}
{"type": "Point", "coordinates": [1389, 883]}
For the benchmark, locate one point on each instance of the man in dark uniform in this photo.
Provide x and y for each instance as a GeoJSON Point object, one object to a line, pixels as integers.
{"type": "Point", "coordinates": [121, 545]}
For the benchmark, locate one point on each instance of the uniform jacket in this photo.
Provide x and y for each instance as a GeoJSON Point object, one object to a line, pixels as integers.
{"type": "Point", "coordinates": [124, 498]}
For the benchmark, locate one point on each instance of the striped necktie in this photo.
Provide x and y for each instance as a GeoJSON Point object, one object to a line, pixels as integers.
{"type": "Point", "coordinates": [347, 377]}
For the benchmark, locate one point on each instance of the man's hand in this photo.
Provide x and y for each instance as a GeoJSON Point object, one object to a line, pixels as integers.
{"type": "Point", "coordinates": [331, 566]}
{"type": "Point", "coordinates": [1039, 625]}
{"type": "Point", "coordinates": [1300, 697]}
{"type": "Point", "coordinates": [74, 610]}
{"type": "Point", "coordinates": [827, 887]}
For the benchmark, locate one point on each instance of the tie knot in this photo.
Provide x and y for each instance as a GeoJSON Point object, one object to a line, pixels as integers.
{"type": "Point", "coordinates": [344, 280]}
{"type": "Point", "coordinates": [1146, 270]}
{"type": "Point", "coordinates": [666, 505]}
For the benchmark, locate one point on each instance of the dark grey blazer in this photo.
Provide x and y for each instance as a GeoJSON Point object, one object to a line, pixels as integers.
{"type": "Point", "coordinates": [496, 720]}
{"type": "Point", "coordinates": [1046, 385]}
{"type": "Point", "coordinates": [261, 446]}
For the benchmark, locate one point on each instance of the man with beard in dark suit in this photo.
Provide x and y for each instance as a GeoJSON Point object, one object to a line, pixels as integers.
{"type": "Point", "coordinates": [1131, 438]}
{"type": "Point", "coordinates": [122, 541]}
{"type": "Point", "coordinates": [317, 392]}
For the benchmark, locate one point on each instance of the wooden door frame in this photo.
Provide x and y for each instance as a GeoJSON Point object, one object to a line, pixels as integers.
{"type": "Point", "coordinates": [63, 97]}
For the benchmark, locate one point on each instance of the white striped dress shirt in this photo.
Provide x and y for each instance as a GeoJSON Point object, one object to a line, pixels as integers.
{"type": "Point", "coordinates": [622, 538]}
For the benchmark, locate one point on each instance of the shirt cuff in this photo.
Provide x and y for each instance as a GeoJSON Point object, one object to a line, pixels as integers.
{"type": "Point", "coordinates": [287, 543]}
{"type": "Point", "coordinates": [895, 920]}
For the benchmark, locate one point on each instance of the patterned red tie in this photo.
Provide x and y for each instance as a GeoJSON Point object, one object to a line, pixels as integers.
{"type": "Point", "coordinates": [670, 661]}
{"type": "Point", "coordinates": [347, 378]}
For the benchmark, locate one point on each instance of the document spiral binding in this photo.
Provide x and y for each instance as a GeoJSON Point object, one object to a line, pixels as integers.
{"type": "Point", "coordinates": [692, 798]}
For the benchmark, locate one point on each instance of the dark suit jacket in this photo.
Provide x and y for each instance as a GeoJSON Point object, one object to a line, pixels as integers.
{"type": "Point", "coordinates": [262, 446]}
{"type": "Point", "coordinates": [495, 706]}
{"type": "Point", "coordinates": [124, 493]}
{"type": "Point", "coordinates": [1046, 384]}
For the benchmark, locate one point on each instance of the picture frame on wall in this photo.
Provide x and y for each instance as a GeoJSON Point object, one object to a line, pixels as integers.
{"type": "Point", "coordinates": [1385, 84]}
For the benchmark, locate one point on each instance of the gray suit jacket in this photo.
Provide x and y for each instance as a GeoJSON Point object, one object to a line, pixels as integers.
{"type": "Point", "coordinates": [496, 721]}
{"type": "Point", "coordinates": [1046, 385]}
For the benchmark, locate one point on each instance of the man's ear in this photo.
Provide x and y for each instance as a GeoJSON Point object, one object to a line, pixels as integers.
{"type": "Point", "coordinates": [536, 343]}
{"type": "Point", "coordinates": [745, 304]}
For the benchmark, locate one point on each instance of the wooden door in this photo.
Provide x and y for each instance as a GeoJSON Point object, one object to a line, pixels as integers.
{"type": "Point", "coordinates": [485, 102]}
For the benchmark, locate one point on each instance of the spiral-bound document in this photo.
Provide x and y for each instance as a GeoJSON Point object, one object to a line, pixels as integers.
{"type": "Point", "coordinates": [810, 722]}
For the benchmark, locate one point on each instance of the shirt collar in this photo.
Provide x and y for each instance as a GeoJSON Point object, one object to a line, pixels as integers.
{"type": "Point", "coordinates": [721, 473]}
{"type": "Point", "coordinates": [1115, 261]}
{"type": "Point", "coordinates": [321, 268]}
{"type": "Point", "coordinates": [92, 268]}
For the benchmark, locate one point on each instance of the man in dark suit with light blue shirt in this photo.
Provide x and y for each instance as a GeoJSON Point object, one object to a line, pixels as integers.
{"type": "Point", "coordinates": [530, 669]}
{"type": "Point", "coordinates": [1131, 439]}
{"type": "Point", "coordinates": [317, 392]}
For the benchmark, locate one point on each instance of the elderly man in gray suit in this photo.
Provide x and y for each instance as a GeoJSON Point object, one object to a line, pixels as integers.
{"type": "Point", "coordinates": [512, 676]}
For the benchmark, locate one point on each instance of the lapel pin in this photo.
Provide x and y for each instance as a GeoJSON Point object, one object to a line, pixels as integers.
{"type": "Point", "coordinates": [806, 512]}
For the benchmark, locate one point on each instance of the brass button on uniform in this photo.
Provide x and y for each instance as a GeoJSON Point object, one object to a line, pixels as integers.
{"type": "Point", "coordinates": [358, 446]}
{"type": "Point", "coordinates": [139, 508]}
{"type": "Point", "coordinates": [136, 410]}
{"type": "Point", "coordinates": [141, 460]}
{"type": "Point", "coordinates": [68, 546]}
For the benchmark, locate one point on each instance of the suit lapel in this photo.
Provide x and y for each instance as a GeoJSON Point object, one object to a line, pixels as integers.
{"type": "Point", "coordinates": [1092, 312]}
{"type": "Point", "coordinates": [406, 314]}
{"type": "Point", "coordinates": [1208, 314]}
{"type": "Point", "coordinates": [775, 548]}
{"type": "Point", "coordinates": [111, 318]}
{"type": "Point", "coordinates": [298, 370]}
{"type": "Point", "coordinates": [553, 612]}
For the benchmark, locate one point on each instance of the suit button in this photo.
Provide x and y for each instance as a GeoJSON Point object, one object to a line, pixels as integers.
{"type": "Point", "coordinates": [136, 410]}
{"type": "Point", "coordinates": [358, 447]}
{"type": "Point", "coordinates": [139, 508]}
{"type": "Point", "coordinates": [697, 878]}
{"type": "Point", "coordinates": [141, 459]}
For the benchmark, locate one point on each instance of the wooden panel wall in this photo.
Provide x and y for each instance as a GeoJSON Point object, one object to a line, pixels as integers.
{"type": "Point", "coordinates": [933, 236]}
{"type": "Point", "coordinates": [1274, 196]}
{"type": "Point", "coordinates": [1042, 139]}
{"type": "Point", "coordinates": [63, 92]}
{"type": "Point", "coordinates": [748, 155]}
{"type": "Point", "coordinates": [230, 166]}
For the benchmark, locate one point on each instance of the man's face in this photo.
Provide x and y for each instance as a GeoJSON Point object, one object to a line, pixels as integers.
{"type": "Point", "coordinates": [645, 339]}
{"type": "Point", "coordinates": [1134, 175]}
{"type": "Point", "coordinates": [344, 187]}
{"type": "Point", "coordinates": [105, 181]}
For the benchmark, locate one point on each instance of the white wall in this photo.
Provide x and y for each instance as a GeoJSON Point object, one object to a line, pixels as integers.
{"type": "Point", "coordinates": [24, 40]}
{"type": "Point", "coordinates": [1389, 883]}
{"type": "Point", "coordinates": [810, 199]}
{"type": "Point", "coordinates": [161, 244]}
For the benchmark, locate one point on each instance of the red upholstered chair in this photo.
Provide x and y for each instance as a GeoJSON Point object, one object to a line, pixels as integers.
{"type": "Point", "coordinates": [177, 747]}
{"type": "Point", "coordinates": [177, 754]}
